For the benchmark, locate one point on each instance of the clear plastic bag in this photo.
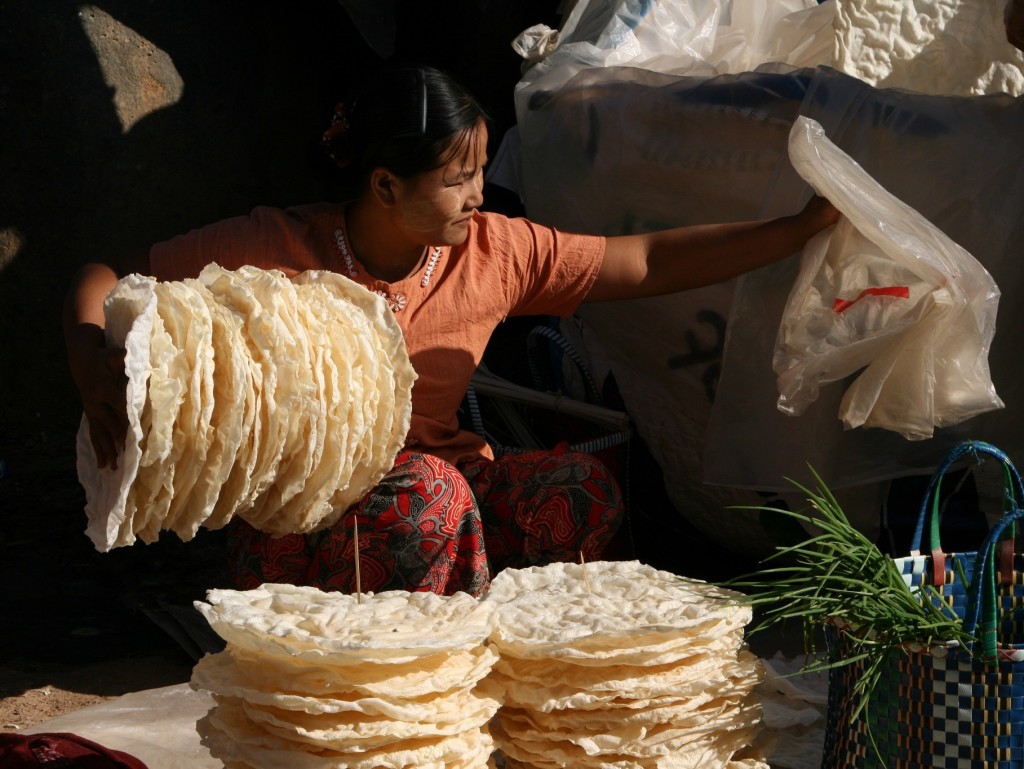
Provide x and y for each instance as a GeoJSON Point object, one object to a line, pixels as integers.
{"type": "Point", "coordinates": [887, 294]}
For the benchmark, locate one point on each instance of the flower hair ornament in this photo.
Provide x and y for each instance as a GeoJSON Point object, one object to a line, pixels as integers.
{"type": "Point", "coordinates": [339, 125]}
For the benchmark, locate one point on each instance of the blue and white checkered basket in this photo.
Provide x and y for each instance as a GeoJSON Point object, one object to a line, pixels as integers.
{"type": "Point", "coordinates": [945, 706]}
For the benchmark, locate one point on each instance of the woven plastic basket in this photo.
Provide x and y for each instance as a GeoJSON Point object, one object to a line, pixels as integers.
{"type": "Point", "coordinates": [945, 706]}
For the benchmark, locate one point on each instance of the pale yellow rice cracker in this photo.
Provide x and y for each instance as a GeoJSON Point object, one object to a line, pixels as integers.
{"type": "Point", "coordinates": [424, 677]}
{"type": "Point", "coordinates": [556, 611]}
{"type": "Point", "coordinates": [394, 375]}
{"type": "Point", "coordinates": [187, 321]}
{"type": "Point", "coordinates": [331, 366]}
{"type": "Point", "coordinates": [339, 628]}
{"type": "Point", "coordinates": [732, 674]}
{"type": "Point", "coordinates": [699, 660]}
{"type": "Point", "coordinates": [719, 751]}
{"type": "Point", "coordinates": [358, 732]}
{"type": "Point", "coordinates": [165, 394]}
{"type": "Point", "coordinates": [249, 331]}
{"type": "Point", "coordinates": [230, 384]}
{"type": "Point", "coordinates": [602, 720]}
{"type": "Point", "coordinates": [263, 332]}
{"type": "Point", "coordinates": [613, 716]}
{"type": "Point", "coordinates": [699, 726]}
{"type": "Point", "coordinates": [361, 459]}
{"type": "Point", "coordinates": [230, 736]}
{"type": "Point", "coordinates": [218, 674]}
{"type": "Point", "coordinates": [297, 398]}
{"type": "Point", "coordinates": [348, 348]}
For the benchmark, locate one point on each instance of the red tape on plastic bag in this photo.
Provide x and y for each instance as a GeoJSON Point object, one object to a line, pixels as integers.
{"type": "Point", "coordinates": [901, 292]}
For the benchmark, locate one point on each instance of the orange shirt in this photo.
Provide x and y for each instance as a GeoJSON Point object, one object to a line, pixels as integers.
{"type": "Point", "coordinates": [505, 267]}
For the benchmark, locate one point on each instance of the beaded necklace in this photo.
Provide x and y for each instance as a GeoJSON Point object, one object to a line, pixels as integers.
{"type": "Point", "coordinates": [396, 301]}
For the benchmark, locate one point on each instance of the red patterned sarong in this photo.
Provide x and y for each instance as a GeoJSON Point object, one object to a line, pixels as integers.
{"type": "Point", "coordinates": [430, 526]}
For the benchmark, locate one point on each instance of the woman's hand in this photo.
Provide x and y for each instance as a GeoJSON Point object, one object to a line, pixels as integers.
{"type": "Point", "coordinates": [98, 370]}
{"type": "Point", "coordinates": [102, 384]}
{"type": "Point", "coordinates": [818, 214]}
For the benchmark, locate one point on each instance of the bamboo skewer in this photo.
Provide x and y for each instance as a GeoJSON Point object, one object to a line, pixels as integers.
{"type": "Point", "coordinates": [583, 568]}
{"type": "Point", "coordinates": [355, 537]}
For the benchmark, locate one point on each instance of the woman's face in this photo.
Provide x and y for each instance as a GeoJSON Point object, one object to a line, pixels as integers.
{"type": "Point", "coordinates": [436, 207]}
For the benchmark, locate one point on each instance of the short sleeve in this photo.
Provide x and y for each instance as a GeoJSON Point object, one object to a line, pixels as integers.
{"type": "Point", "coordinates": [548, 271]}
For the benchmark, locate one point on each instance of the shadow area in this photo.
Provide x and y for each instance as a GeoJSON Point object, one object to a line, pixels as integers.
{"type": "Point", "coordinates": [257, 86]}
{"type": "Point", "coordinates": [258, 82]}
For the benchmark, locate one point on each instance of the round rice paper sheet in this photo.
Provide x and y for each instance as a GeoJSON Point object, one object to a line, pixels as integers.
{"type": "Point", "coordinates": [285, 452]}
{"type": "Point", "coordinates": [230, 736]}
{"type": "Point", "coordinates": [253, 330]}
{"type": "Point", "coordinates": [552, 698]}
{"type": "Point", "coordinates": [617, 608]}
{"type": "Point", "coordinates": [383, 375]}
{"type": "Point", "coordinates": [724, 750]}
{"type": "Point", "coordinates": [397, 683]}
{"type": "Point", "coordinates": [701, 726]}
{"type": "Point", "coordinates": [187, 318]}
{"type": "Point", "coordinates": [237, 382]}
{"type": "Point", "coordinates": [305, 509]}
{"type": "Point", "coordinates": [443, 708]}
{"type": "Point", "coordinates": [361, 733]}
{"type": "Point", "coordinates": [339, 628]}
{"type": "Point", "coordinates": [166, 393]}
{"type": "Point", "coordinates": [605, 719]}
{"type": "Point", "coordinates": [700, 660]}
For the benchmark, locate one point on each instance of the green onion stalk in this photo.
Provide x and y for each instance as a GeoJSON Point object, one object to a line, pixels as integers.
{"type": "Point", "coordinates": [838, 579]}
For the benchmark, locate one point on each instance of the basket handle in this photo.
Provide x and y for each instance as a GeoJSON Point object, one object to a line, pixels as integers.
{"type": "Point", "coordinates": [981, 594]}
{"type": "Point", "coordinates": [1013, 495]}
{"type": "Point", "coordinates": [930, 507]}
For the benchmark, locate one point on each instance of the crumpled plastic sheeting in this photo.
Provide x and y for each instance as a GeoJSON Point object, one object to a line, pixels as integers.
{"type": "Point", "coordinates": [698, 38]}
{"type": "Point", "coordinates": [157, 726]}
{"type": "Point", "coordinates": [794, 705]}
{"type": "Point", "coordinates": [621, 150]}
{"type": "Point", "coordinates": [886, 296]}
{"type": "Point", "coordinates": [956, 161]}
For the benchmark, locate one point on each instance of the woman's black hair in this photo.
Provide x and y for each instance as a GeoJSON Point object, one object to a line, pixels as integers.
{"type": "Point", "coordinates": [408, 119]}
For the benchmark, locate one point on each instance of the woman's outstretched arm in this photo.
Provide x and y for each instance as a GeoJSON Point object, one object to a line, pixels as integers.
{"type": "Point", "coordinates": [673, 260]}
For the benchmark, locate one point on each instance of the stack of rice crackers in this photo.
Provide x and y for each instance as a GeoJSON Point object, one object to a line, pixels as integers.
{"type": "Point", "coordinates": [314, 680]}
{"type": "Point", "coordinates": [610, 665]}
{"type": "Point", "coordinates": [616, 665]}
{"type": "Point", "coordinates": [248, 394]}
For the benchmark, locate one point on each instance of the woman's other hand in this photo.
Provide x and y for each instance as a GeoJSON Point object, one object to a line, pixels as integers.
{"type": "Point", "coordinates": [102, 385]}
{"type": "Point", "coordinates": [98, 370]}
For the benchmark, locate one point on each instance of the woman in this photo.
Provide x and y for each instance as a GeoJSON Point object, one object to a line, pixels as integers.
{"type": "Point", "coordinates": [447, 516]}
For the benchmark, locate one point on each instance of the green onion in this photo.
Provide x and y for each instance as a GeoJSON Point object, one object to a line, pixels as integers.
{"type": "Point", "coordinates": [839, 579]}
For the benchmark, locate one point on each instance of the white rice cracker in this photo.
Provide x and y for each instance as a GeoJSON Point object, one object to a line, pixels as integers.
{"type": "Point", "coordinates": [248, 395]}
{"type": "Point", "coordinates": [337, 628]}
{"type": "Point", "coordinates": [938, 47]}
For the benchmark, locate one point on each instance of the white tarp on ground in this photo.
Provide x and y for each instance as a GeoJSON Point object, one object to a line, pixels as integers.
{"type": "Point", "coordinates": [158, 726]}
{"type": "Point", "coordinates": [608, 145]}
